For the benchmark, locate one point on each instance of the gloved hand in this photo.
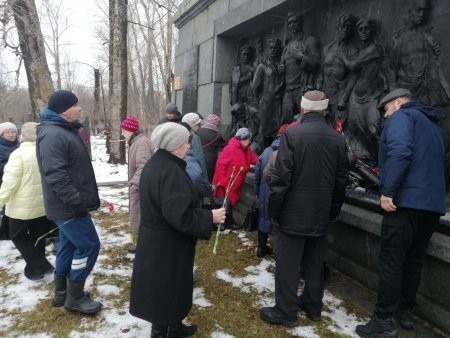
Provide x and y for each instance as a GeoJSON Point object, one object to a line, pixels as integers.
{"type": "Point", "coordinates": [80, 210]}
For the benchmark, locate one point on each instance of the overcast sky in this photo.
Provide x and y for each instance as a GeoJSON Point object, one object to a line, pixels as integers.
{"type": "Point", "coordinates": [82, 45]}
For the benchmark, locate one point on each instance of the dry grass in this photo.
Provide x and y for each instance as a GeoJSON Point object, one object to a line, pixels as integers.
{"type": "Point", "coordinates": [233, 311]}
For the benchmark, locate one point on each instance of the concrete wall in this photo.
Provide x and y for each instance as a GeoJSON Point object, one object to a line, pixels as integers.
{"type": "Point", "coordinates": [353, 249]}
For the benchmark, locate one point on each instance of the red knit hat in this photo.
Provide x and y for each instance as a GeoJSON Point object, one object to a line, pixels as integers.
{"type": "Point", "coordinates": [131, 123]}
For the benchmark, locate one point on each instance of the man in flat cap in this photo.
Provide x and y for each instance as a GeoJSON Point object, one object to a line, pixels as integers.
{"type": "Point", "coordinates": [307, 191]}
{"type": "Point", "coordinates": [412, 185]}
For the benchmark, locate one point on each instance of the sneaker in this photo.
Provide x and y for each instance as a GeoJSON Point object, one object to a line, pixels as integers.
{"type": "Point", "coordinates": [132, 250]}
{"type": "Point", "coordinates": [377, 328]}
{"type": "Point", "coordinates": [405, 319]}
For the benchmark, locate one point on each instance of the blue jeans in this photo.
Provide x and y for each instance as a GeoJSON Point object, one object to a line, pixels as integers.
{"type": "Point", "coordinates": [79, 246]}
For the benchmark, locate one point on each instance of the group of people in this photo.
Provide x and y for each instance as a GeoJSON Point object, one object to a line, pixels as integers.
{"type": "Point", "coordinates": [300, 181]}
{"type": "Point", "coordinates": [48, 182]}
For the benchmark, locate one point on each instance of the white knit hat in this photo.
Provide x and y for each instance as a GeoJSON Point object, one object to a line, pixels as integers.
{"type": "Point", "coordinates": [314, 100]}
{"type": "Point", "coordinates": [169, 136]}
{"type": "Point", "coordinates": [191, 119]}
{"type": "Point", "coordinates": [6, 126]}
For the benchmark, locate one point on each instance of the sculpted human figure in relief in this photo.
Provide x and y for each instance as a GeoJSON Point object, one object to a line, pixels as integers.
{"type": "Point", "coordinates": [415, 59]}
{"type": "Point", "coordinates": [266, 87]}
{"type": "Point", "coordinates": [300, 66]}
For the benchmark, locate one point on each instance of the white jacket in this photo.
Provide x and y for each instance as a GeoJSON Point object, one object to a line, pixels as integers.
{"type": "Point", "coordinates": [21, 190]}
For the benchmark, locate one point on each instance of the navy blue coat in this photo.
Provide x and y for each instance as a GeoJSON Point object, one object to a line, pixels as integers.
{"type": "Point", "coordinates": [262, 189]}
{"type": "Point", "coordinates": [6, 148]}
{"type": "Point", "coordinates": [412, 158]}
{"type": "Point", "coordinates": [68, 179]}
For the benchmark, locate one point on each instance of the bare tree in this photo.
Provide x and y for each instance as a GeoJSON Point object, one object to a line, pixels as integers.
{"type": "Point", "coordinates": [118, 76]}
{"type": "Point", "coordinates": [57, 24]}
{"type": "Point", "coordinates": [31, 43]}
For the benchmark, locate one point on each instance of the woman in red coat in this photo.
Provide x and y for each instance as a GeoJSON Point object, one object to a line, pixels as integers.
{"type": "Point", "coordinates": [231, 168]}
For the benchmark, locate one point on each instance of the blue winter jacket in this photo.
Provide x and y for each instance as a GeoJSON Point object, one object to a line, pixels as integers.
{"type": "Point", "coordinates": [262, 189]}
{"type": "Point", "coordinates": [194, 171]}
{"type": "Point", "coordinates": [412, 157]}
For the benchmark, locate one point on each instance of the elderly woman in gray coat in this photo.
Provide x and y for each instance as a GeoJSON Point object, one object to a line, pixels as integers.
{"type": "Point", "coordinates": [162, 283]}
{"type": "Point", "coordinates": [139, 153]}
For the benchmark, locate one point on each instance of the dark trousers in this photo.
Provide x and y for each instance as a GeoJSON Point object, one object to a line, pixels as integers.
{"type": "Point", "coordinates": [4, 227]}
{"type": "Point", "coordinates": [405, 234]}
{"type": "Point", "coordinates": [24, 234]}
{"type": "Point", "coordinates": [293, 253]}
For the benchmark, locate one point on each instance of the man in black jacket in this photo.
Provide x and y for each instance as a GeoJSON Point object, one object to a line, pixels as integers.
{"type": "Point", "coordinates": [307, 192]}
{"type": "Point", "coordinates": [70, 192]}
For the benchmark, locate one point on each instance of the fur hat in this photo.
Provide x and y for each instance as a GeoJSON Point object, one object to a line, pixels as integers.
{"type": "Point", "coordinates": [191, 119]}
{"type": "Point", "coordinates": [172, 108]}
{"type": "Point", "coordinates": [131, 124]}
{"type": "Point", "coordinates": [28, 132]}
{"type": "Point", "coordinates": [169, 136]}
{"type": "Point", "coordinates": [243, 134]}
{"type": "Point", "coordinates": [213, 119]}
{"type": "Point", "coordinates": [61, 100]}
{"type": "Point", "coordinates": [314, 100]}
{"type": "Point", "coordinates": [6, 126]}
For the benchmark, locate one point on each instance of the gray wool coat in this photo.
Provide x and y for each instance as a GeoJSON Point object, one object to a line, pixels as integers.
{"type": "Point", "coordinates": [141, 149]}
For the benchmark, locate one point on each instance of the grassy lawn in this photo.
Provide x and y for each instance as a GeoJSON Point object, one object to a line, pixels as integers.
{"type": "Point", "coordinates": [233, 310]}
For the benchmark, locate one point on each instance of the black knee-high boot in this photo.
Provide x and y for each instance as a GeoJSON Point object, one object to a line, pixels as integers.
{"type": "Point", "coordinates": [263, 249]}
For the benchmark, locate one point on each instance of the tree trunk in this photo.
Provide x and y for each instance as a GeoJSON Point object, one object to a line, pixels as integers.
{"type": "Point", "coordinates": [118, 77]}
{"type": "Point", "coordinates": [40, 84]}
{"type": "Point", "coordinates": [96, 100]}
{"type": "Point", "coordinates": [168, 54]}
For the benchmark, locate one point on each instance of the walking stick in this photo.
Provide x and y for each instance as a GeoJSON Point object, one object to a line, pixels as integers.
{"type": "Point", "coordinates": [227, 191]}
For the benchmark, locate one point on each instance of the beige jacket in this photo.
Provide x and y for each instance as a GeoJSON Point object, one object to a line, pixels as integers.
{"type": "Point", "coordinates": [21, 190]}
{"type": "Point", "coordinates": [139, 153]}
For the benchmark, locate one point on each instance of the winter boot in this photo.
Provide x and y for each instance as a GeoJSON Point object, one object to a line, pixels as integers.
{"type": "Point", "coordinates": [405, 319]}
{"type": "Point", "coordinates": [181, 330]}
{"type": "Point", "coordinates": [377, 327]}
{"type": "Point", "coordinates": [158, 331]}
{"type": "Point", "coordinates": [78, 301]}
{"type": "Point", "coordinates": [263, 249]}
{"type": "Point", "coordinates": [60, 290]}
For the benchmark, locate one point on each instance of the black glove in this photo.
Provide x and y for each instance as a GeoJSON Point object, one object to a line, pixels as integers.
{"type": "Point", "coordinates": [80, 210]}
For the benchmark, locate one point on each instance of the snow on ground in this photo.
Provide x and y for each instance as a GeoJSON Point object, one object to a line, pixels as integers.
{"type": "Point", "coordinates": [113, 321]}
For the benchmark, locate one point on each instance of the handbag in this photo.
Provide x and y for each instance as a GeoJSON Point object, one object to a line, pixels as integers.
{"type": "Point", "coordinates": [251, 219]}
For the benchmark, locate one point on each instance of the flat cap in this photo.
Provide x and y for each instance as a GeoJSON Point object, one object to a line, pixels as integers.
{"type": "Point", "coordinates": [396, 93]}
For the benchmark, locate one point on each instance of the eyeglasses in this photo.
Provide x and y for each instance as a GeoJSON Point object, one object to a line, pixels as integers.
{"type": "Point", "coordinates": [10, 132]}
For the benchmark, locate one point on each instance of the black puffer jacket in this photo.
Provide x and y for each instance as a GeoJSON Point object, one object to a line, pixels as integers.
{"type": "Point", "coordinates": [308, 185]}
{"type": "Point", "coordinates": [68, 179]}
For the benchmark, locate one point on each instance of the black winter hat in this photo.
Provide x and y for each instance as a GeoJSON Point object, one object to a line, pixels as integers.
{"type": "Point", "coordinates": [61, 100]}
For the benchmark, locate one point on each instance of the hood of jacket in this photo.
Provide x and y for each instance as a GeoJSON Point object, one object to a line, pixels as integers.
{"type": "Point", "coordinates": [428, 111]}
{"type": "Point", "coordinates": [48, 116]}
